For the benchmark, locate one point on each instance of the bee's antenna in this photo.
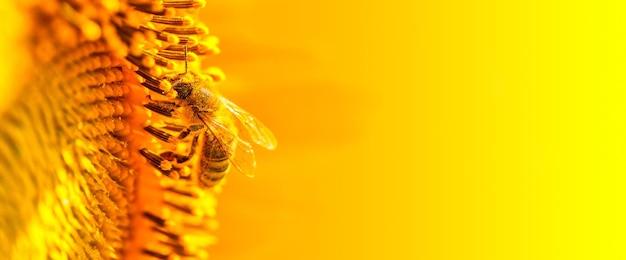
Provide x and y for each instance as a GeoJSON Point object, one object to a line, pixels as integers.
{"type": "Point", "coordinates": [185, 48]}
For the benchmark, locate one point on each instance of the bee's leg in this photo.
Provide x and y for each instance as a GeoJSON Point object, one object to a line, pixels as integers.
{"type": "Point", "coordinates": [158, 162]}
{"type": "Point", "coordinates": [165, 108]}
{"type": "Point", "coordinates": [172, 164]}
{"type": "Point", "coordinates": [192, 150]}
{"type": "Point", "coordinates": [189, 129]}
{"type": "Point", "coordinates": [168, 138]}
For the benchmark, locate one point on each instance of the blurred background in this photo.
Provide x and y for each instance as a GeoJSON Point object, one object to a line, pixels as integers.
{"type": "Point", "coordinates": [427, 129]}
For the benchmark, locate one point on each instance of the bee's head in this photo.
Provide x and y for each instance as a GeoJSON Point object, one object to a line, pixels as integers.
{"type": "Point", "coordinates": [183, 89]}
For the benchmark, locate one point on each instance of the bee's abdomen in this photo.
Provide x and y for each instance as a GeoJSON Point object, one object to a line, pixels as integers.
{"type": "Point", "coordinates": [214, 163]}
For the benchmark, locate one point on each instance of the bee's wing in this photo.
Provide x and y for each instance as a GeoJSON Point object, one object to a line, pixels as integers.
{"type": "Point", "coordinates": [240, 154]}
{"type": "Point", "coordinates": [259, 133]}
{"type": "Point", "coordinates": [244, 159]}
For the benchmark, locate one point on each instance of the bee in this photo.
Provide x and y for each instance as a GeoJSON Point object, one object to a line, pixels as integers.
{"type": "Point", "coordinates": [212, 126]}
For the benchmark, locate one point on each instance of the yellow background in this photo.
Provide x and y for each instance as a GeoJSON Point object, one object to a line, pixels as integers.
{"type": "Point", "coordinates": [427, 130]}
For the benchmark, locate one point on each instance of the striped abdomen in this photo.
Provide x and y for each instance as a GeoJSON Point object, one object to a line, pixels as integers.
{"type": "Point", "coordinates": [214, 161]}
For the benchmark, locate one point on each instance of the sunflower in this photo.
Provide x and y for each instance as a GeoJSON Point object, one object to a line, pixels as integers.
{"type": "Point", "coordinates": [73, 183]}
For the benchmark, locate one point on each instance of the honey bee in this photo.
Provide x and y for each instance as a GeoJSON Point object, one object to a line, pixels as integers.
{"type": "Point", "coordinates": [212, 126]}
